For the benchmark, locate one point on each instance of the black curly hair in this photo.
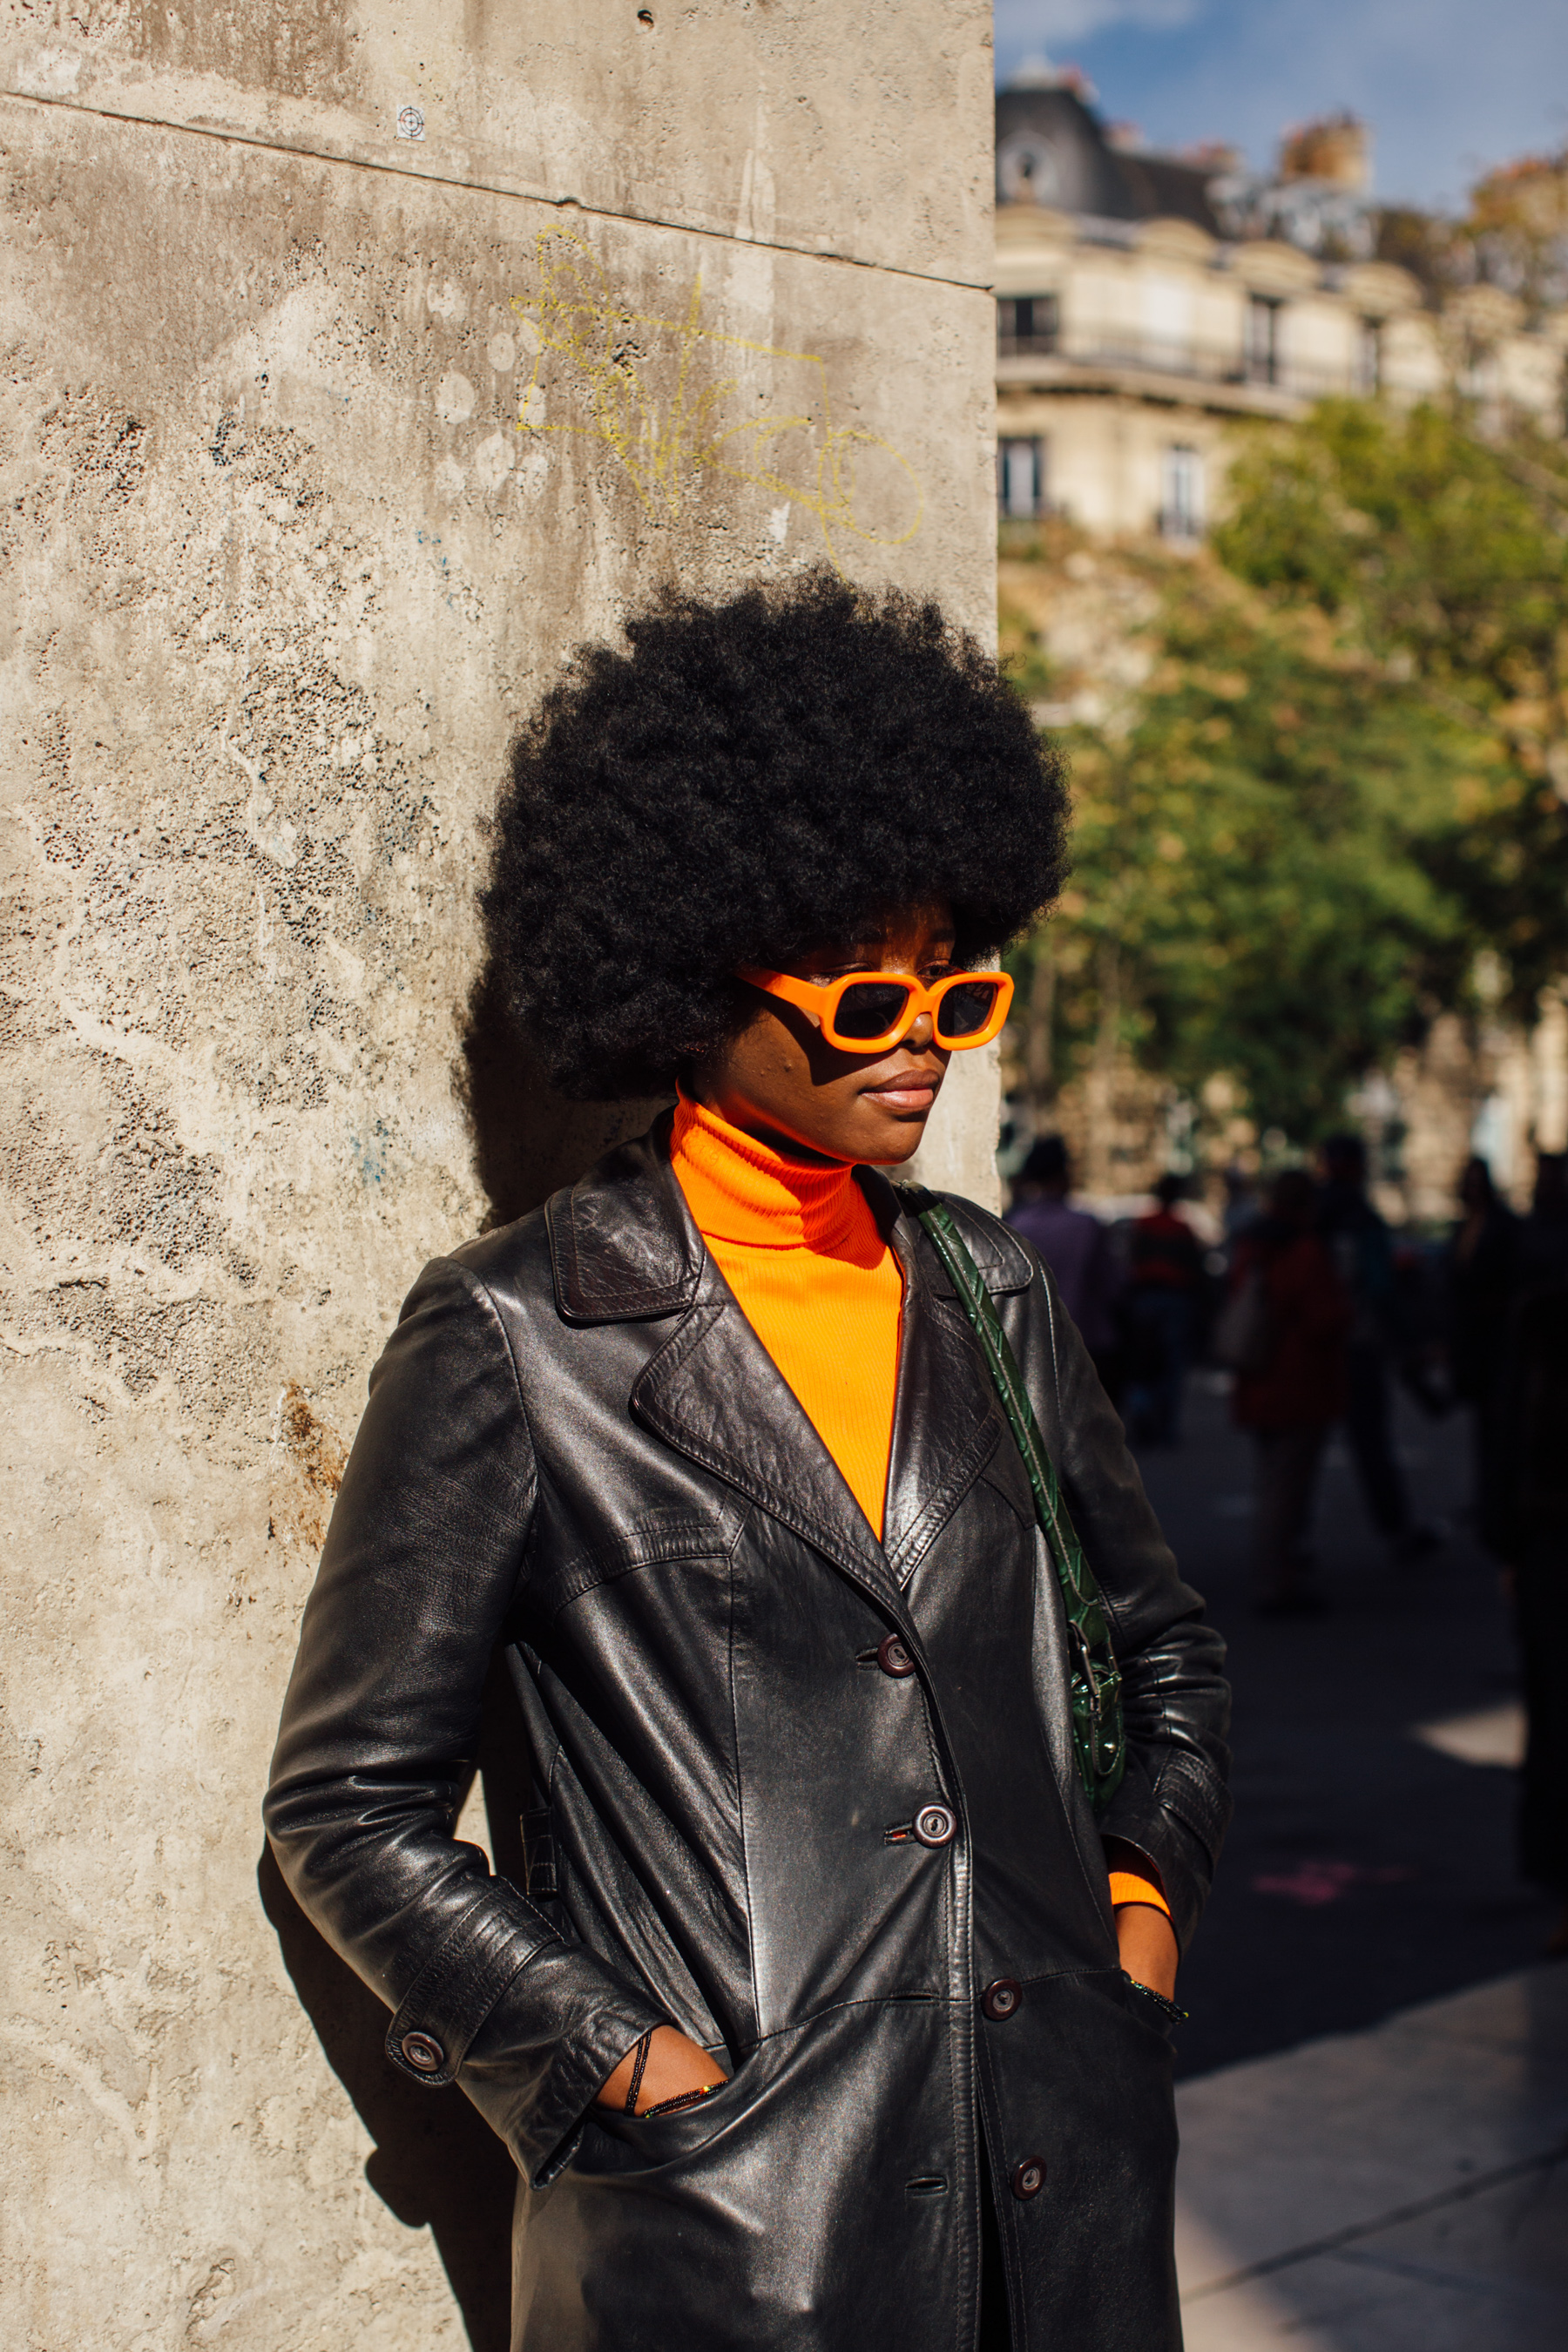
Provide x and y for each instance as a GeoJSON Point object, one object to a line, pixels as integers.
{"type": "Point", "coordinates": [754, 775]}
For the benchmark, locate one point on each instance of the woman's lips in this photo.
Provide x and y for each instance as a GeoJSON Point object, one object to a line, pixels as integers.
{"type": "Point", "coordinates": [911, 1091]}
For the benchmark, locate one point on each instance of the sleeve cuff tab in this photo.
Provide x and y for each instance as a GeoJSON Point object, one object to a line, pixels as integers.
{"type": "Point", "coordinates": [460, 1984]}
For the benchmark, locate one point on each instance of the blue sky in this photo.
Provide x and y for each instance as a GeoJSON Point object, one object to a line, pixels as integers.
{"type": "Point", "coordinates": [1449, 87]}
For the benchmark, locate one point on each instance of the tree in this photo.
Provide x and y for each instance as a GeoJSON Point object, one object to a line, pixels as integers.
{"type": "Point", "coordinates": [1246, 884]}
{"type": "Point", "coordinates": [1444, 557]}
{"type": "Point", "coordinates": [1514, 234]}
{"type": "Point", "coordinates": [1342, 777]}
{"type": "Point", "coordinates": [1517, 228]}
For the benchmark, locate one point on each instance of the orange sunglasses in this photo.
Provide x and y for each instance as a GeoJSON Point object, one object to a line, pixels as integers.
{"type": "Point", "coordinates": [868, 1012]}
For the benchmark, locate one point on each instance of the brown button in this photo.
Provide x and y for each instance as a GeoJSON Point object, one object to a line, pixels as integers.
{"type": "Point", "coordinates": [1029, 2177]}
{"type": "Point", "coordinates": [936, 1825]}
{"type": "Point", "coordinates": [425, 2056]}
{"type": "Point", "coordinates": [1002, 1999]}
{"type": "Point", "coordinates": [893, 1658]}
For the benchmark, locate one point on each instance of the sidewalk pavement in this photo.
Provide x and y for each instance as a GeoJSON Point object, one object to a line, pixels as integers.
{"type": "Point", "coordinates": [1370, 1866]}
{"type": "Point", "coordinates": [1399, 2189]}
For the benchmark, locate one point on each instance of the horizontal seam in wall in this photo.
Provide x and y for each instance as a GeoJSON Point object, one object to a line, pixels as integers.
{"type": "Point", "coordinates": [485, 188]}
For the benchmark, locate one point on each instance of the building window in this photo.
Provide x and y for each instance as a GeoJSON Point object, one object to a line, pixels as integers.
{"type": "Point", "coordinates": [1027, 171]}
{"type": "Point", "coordinates": [1026, 323]}
{"type": "Point", "coordinates": [1369, 356]}
{"type": "Point", "coordinates": [1263, 339]}
{"type": "Point", "coordinates": [1182, 493]}
{"type": "Point", "coordinates": [1021, 477]}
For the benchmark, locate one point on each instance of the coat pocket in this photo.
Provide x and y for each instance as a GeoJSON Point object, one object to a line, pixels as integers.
{"type": "Point", "coordinates": [653, 2141]}
{"type": "Point", "coordinates": [1159, 2016]}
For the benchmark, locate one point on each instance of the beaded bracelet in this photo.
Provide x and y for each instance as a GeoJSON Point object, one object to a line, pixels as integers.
{"type": "Point", "coordinates": [638, 2063]}
{"type": "Point", "coordinates": [682, 2099]}
{"type": "Point", "coordinates": [665, 2106]}
{"type": "Point", "coordinates": [1167, 2008]}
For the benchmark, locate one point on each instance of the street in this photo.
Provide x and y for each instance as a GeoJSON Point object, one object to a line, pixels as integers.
{"type": "Point", "coordinates": [1373, 2085]}
{"type": "Point", "coordinates": [1369, 1867]}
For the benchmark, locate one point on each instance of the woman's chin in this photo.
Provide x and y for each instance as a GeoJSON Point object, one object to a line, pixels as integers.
{"type": "Point", "coordinates": [898, 1137]}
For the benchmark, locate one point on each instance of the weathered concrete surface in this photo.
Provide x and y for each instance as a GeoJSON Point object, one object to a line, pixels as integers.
{"type": "Point", "coordinates": [281, 571]}
{"type": "Point", "coordinates": [828, 128]}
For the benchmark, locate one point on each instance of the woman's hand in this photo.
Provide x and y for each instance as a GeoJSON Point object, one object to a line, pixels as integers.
{"type": "Point", "coordinates": [1148, 1945]}
{"type": "Point", "coordinates": [673, 2065]}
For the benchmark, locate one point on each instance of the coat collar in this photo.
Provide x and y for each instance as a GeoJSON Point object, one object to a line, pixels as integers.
{"type": "Point", "coordinates": [624, 1248]}
{"type": "Point", "coordinates": [622, 1242]}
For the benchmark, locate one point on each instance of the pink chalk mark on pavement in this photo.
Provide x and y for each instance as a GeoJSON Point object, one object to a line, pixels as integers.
{"type": "Point", "coordinates": [1311, 1883]}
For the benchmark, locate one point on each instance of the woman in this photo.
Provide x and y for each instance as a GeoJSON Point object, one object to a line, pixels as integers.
{"type": "Point", "coordinates": [1164, 1291]}
{"type": "Point", "coordinates": [1291, 1383]}
{"type": "Point", "coordinates": [1483, 1281]}
{"type": "Point", "coordinates": [820, 1934]}
{"type": "Point", "coordinates": [1074, 1247]}
{"type": "Point", "coordinates": [1537, 1460]}
{"type": "Point", "coordinates": [1530, 1523]}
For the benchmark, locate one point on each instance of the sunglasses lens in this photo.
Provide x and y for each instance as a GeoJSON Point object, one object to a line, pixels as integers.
{"type": "Point", "coordinates": [964, 1009]}
{"type": "Point", "coordinates": [870, 1008]}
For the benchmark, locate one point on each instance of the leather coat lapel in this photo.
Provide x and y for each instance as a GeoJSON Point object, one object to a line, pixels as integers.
{"type": "Point", "coordinates": [624, 1248]}
{"type": "Point", "coordinates": [716, 1395]}
{"type": "Point", "coordinates": [946, 1425]}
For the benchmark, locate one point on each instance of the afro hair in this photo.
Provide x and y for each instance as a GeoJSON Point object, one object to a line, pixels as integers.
{"type": "Point", "coordinates": [753, 776]}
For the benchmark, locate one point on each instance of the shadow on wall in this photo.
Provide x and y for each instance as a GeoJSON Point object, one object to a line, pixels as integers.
{"type": "Point", "coordinates": [527, 1140]}
{"type": "Point", "coordinates": [437, 2164]}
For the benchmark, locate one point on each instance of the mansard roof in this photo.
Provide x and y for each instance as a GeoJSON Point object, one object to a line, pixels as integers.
{"type": "Point", "coordinates": [1052, 150]}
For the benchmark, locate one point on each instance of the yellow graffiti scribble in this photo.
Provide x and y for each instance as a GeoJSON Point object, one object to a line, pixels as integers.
{"type": "Point", "coordinates": [631, 379]}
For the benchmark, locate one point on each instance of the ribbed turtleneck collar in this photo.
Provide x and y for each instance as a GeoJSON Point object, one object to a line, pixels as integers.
{"type": "Point", "coordinates": [739, 1189]}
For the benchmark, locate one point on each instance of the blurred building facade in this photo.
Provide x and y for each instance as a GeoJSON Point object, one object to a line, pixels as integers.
{"type": "Point", "coordinates": [1148, 304]}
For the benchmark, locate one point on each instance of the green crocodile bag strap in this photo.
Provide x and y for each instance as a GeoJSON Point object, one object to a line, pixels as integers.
{"type": "Point", "coordinates": [1100, 1741]}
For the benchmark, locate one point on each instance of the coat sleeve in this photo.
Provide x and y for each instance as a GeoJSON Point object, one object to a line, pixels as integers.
{"type": "Point", "coordinates": [1172, 1803]}
{"type": "Point", "coordinates": [380, 1729]}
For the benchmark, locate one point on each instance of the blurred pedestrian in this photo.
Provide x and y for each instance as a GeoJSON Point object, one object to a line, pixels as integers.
{"type": "Point", "coordinates": [1483, 1267]}
{"type": "Point", "coordinates": [1533, 1452]}
{"type": "Point", "coordinates": [1165, 1290]}
{"type": "Point", "coordinates": [1075, 1245]}
{"type": "Point", "coordinates": [1363, 1250]}
{"type": "Point", "coordinates": [1241, 1205]}
{"type": "Point", "coordinates": [1286, 1330]}
{"type": "Point", "coordinates": [1544, 1236]}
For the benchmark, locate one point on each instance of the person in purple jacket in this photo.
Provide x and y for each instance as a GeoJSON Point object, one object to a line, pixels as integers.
{"type": "Point", "coordinates": [1076, 1247]}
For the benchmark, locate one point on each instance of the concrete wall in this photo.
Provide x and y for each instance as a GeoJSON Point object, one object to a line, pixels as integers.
{"type": "Point", "coordinates": [320, 446]}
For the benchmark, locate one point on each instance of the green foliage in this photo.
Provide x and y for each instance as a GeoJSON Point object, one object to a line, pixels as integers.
{"type": "Point", "coordinates": [1443, 556]}
{"type": "Point", "coordinates": [1435, 543]}
{"type": "Point", "coordinates": [1249, 847]}
{"type": "Point", "coordinates": [1336, 785]}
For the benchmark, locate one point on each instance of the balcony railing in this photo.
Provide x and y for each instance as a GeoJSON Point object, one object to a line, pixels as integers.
{"type": "Point", "coordinates": [1035, 345]}
{"type": "Point", "coordinates": [1219, 363]}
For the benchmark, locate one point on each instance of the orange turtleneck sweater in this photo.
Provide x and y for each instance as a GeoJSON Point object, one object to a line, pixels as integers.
{"type": "Point", "coordinates": [813, 1278]}
{"type": "Point", "coordinates": [805, 1258]}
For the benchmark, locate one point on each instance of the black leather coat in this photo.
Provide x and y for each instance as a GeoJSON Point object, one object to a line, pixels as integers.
{"type": "Point", "coordinates": [577, 1447]}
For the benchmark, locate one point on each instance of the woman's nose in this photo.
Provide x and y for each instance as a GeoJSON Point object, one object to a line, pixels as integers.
{"type": "Point", "coordinates": [922, 1033]}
